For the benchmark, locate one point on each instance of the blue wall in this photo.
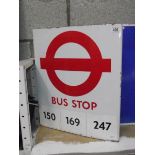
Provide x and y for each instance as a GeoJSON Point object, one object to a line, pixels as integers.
{"type": "Point", "coordinates": [128, 76]}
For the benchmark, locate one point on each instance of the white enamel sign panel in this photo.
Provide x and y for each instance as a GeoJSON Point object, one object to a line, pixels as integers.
{"type": "Point", "coordinates": [79, 78]}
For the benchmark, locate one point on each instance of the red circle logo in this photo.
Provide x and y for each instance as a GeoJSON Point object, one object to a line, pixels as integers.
{"type": "Point", "coordinates": [95, 64]}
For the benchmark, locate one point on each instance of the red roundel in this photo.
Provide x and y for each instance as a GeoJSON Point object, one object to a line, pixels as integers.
{"type": "Point", "coordinates": [95, 64]}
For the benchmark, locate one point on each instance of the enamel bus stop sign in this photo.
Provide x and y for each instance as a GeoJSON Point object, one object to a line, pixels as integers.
{"type": "Point", "coordinates": [79, 78]}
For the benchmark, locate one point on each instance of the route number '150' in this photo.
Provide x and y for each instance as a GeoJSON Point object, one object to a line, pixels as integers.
{"type": "Point", "coordinates": [49, 115]}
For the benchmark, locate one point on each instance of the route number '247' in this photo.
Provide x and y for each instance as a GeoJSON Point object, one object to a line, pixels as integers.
{"type": "Point", "coordinates": [103, 125]}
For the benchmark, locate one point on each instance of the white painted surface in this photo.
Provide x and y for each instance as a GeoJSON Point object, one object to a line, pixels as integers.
{"type": "Point", "coordinates": [106, 94]}
{"type": "Point", "coordinates": [51, 147]}
{"type": "Point", "coordinates": [26, 63]}
{"type": "Point", "coordinates": [24, 105]}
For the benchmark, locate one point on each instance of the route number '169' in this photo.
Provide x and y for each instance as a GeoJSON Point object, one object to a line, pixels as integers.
{"type": "Point", "coordinates": [72, 121]}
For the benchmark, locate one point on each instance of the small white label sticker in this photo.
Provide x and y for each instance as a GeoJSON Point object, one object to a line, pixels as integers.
{"type": "Point", "coordinates": [73, 122]}
{"type": "Point", "coordinates": [102, 127]}
{"type": "Point", "coordinates": [50, 116]}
